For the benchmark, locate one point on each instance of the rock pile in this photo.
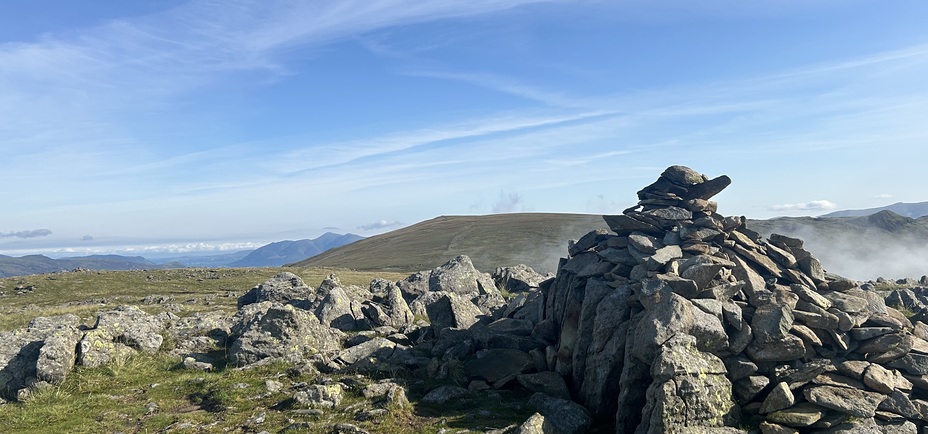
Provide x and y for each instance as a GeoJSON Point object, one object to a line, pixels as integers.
{"type": "Point", "coordinates": [697, 324]}
{"type": "Point", "coordinates": [911, 300]}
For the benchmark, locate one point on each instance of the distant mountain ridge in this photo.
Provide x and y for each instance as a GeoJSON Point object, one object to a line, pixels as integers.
{"type": "Point", "coordinates": [285, 252]}
{"type": "Point", "coordinates": [911, 210]}
{"type": "Point", "coordinates": [39, 264]}
{"type": "Point", "coordinates": [214, 260]}
{"type": "Point", "coordinates": [271, 255]}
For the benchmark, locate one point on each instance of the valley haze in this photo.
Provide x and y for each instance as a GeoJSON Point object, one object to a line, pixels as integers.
{"type": "Point", "coordinates": [191, 127]}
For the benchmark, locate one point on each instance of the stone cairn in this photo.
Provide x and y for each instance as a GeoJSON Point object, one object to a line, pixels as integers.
{"type": "Point", "coordinates": [687, 321]}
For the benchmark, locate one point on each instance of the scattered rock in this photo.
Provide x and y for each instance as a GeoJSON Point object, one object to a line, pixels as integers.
{"type": "Point", "coordinates": [443, 394]}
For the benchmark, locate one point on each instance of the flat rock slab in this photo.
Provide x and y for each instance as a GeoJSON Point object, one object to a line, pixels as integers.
{"type": "Point", "coordinates": [783, 350]}
{"type": "Point", "coordinates": [913, 363]}
{"type": "Point", "coordinates": [883, 380]}
{"type": "Point", "coordinates": [850, 401]}
{"type": "Point", "coordinates": [799, 415]}
{"type": "Point", "coordinates": [624, 225]}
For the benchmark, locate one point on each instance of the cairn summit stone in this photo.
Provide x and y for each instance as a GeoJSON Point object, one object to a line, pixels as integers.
{"type": "Point", "coordinates": [698, 323]}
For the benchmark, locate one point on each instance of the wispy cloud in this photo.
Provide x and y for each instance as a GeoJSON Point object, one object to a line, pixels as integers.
{"type": "Point", "coordinates": [332, 154]}
{"type": "Point", "coordinates": [815, 205]}
{"type": "Point", "coordinates": [508, 202]}
{"type": "Point", "coordinates": [380, 224]}
{"type": "Point", "coordinates": [34, 233]}
{"type": "Point", "coordinates": [504, 84]}
{"type": "Point", "coordinates": [86, 87]}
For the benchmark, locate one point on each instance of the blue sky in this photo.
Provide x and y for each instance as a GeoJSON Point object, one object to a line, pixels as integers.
{"type": "Point", "coordinates": [172, 125]}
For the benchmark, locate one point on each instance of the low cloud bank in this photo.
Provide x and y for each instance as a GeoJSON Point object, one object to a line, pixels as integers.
{"type": "Point", "coordinates": [815, 205]}
{"type": "Point", "coordinates": [35, 233]}
{"type": "Point", "coordinates": [865, 254]}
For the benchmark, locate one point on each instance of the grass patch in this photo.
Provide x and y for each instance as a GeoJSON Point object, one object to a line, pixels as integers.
{"type": "Point", "coordinates": [148, 393]}
{"type": "Point", "coordinates": [189, 290]}
{"type": "Point", "coordinates": [890, 286]}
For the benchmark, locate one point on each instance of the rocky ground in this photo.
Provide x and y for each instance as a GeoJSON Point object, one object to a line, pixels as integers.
{"type": "Point", "coordinates": [677, 320]}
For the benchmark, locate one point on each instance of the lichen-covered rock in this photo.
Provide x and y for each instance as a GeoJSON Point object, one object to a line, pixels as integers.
{"type": "Point", "coordinates": [41, 352]}
{"type": "Point", "coordinates": [320, 396]}
{"type": "Point", "coordinates": [200, 332]}
{"type": "Point", "coordinates": [337, 310]}
{"type": "Point", "coordinates": [270, 329]}
{"type": "Point", "coordinates": [282, 288]}
{"type": "Point", "coordinates": [689, 389]}
{"type": "Point", "coordinates": [854, 402]}
{"type": "Point", "coordinates": [118, 333]}
{"type": "Point", "coordinates": [535, 424]}
{"type": "Point", "coordinates": [57, 355]}
{"type": "Point", "coordinates": [461, 277]}
{"type": "Point", "coordinates": [388, 393]}
{"type": "Point", "coordinates": [374, 350]}
{"type": "Point", "coordinates": [97, 348]}
{"type": "Point", "coordinates": [414, 285]}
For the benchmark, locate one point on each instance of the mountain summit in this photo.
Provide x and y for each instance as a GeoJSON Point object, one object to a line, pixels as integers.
{"type": "Point", "coordinates": [284, 252]}
{"type": "Point", "coordinates": [911, 210]}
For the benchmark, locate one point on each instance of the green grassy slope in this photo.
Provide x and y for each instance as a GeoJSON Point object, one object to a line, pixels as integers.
{"type": "Point", "coordinates": [534, 239]}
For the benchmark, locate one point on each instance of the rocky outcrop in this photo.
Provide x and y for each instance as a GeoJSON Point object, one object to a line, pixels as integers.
{"type": "Point", "coordinates": [519, 278]}
{"type": "Point", "coordinates": [197, 333]}
{"type": "Point", "coordinates": [460, 277]}
{"type": "Point", "coordinates": [282, 288]}
{"type": "Point", "coordinates": [695, 323]}
{"type": "Point", "coordinates": [273, 330]}
{"type": "Point", "coordinates": [119, 333]}
{"type": "Point", "coordinates": [387, 307]}
{"type": "Point", "coordinates": [43, 352]}
{"type": "Point", "coordinates": [337, 306]}
{"type": "Point", "coordinates": [457, 276]}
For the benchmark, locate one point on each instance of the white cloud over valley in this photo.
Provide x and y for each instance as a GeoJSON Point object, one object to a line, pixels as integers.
{"type": "Point", "coordinates": [815, 205]}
